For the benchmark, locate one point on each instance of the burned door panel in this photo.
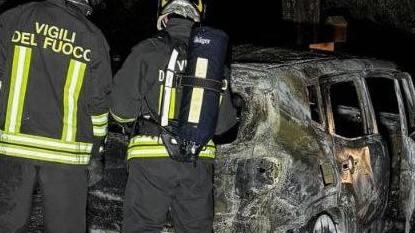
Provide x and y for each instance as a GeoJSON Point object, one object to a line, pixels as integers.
{"type": "Point", "coordinates": [407, 183]}
{"type": "Point", "coordinates": [404, 93]}
{"type": "Point", "coordinates": [394, 109]}
{"type": "Point", "coordinates": [285, 170]}
{"type": "Point", "coordinates": [382, 91]}
{"type": "Point", "coordinates": [361, 156]}
{"type": "Point", "coordinates": [405, 96]}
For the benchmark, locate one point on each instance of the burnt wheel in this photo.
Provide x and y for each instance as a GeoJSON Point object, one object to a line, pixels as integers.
{"type": "Point", "coordinates": [324, 224]}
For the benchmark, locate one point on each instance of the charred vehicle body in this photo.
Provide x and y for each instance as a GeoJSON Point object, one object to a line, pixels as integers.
{"type": "Point", "coordinates": [324, 145]}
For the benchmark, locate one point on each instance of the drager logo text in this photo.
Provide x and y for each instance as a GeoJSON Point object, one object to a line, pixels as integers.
{"type": "Point", "coordinates": [201, 40]}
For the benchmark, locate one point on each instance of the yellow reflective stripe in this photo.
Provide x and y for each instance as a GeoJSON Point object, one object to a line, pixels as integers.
{"type": "Point", "coordinates": [45, 143]}
{"type": "Point", "coordinates": [160, 151]}
{"type": "Point", "coordinates": [43, 155]}
{"type": "Point", "coordinates": [100, 131]}
{"type": "Point", "coordinates": [100, 124]}
{"type": "Point", "coordinates": [140, 139]}
{"type": "Point", "coordinates": [74, 80]}
{"type": "Point", "coordinates": [120, 119]}
{"type": "Point", "coordinates": [210, 143]}
{"type": "Point", "coordinates": [164, 2]}
{"type": "Point", "coordinates": [172, 106]}
{"type": "Point", "coordinates": [208, 152]}
{"type": "Point", "coordinates": [153, 152]}
{"type": "Point", "coordinates": [145, 139]}
{"type": "Point", "coordinates": [100, 119]}
{"type": "Point", "coordinates": [197, 93]}
{"type": "Point", "coordinates": [18, 85]}
{"type": "Point", "coordinates": [153, 147]}
{"type": "Point", "coordinates": [199, 6]}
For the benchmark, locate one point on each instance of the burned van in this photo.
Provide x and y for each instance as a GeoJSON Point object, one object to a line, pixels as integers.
{"type": "Point", "coordinates": [324, 145]}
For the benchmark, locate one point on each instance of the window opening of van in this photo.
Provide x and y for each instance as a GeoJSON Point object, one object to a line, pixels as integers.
{"type": "Point", "coordinates": [347, 112]}
{"type": "Point", "coordinates": [385, 104]}
{"type": "Point", "coordinates": [382, 94]}
{"type": "Point", "coordinates": [314, 104]}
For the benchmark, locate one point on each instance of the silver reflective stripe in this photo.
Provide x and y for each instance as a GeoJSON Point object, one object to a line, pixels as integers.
{"type": "Point", "coordinates": [45, 143]}
{"type": "Point", "coordinates": [18, 84]}
{"type": "Point", "coordinates": [120, 119]}
{"type": "Point", "coordinates": [167, 88]}
{"type": "Point", "coordinates": [100, 119]}
{"type": "Point", "coordinates": [44, 155]}
{"type": "Point", "coordinates": [74, 80]}
{"type": "Point", "coordinates": [100, 131]}
{"type": "Point", "coordinates": [100, 124]}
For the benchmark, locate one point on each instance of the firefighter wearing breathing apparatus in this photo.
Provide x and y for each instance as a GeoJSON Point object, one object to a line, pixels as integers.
{"type": "Point", "coordinates": [172, 87]}
{"type": "Point", "coordinates": [55, 76]}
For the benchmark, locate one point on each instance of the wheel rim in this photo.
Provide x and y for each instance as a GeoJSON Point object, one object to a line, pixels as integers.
{"type": "Point", "coordinates": [324, 224]}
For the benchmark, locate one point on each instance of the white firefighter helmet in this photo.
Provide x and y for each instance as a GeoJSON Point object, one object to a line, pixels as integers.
{"type": "Point", "coordinates": [192, 9]}
{"type": "Point", "coordinates": [84, 5]}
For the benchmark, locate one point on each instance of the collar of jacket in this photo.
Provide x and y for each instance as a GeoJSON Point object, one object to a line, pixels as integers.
{"type": "Point", "coordinates": [179, 28]}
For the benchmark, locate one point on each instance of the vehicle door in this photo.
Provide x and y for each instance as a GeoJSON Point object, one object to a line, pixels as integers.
{"type": "Point", "coordinates": [400, 130]}
{"type": "Point", "coordinates": [361, 154]}
{"type": "Point", "coordinates": [408, 152]}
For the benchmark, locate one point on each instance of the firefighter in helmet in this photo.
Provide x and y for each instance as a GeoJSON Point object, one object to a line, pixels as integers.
{"type": "Point", "coordinates": [158, 184]}
{"type": "Point", "coordinates": [55, 77]}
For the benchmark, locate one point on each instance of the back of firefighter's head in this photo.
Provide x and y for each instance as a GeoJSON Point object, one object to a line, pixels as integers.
{"type": "Point", "coordinates": [83, 5]}
{"type": "Point", "coordinates": [190, 9]}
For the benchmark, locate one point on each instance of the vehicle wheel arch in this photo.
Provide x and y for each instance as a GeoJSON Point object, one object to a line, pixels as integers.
{"type": "Point", "coordinates": [343, 221]}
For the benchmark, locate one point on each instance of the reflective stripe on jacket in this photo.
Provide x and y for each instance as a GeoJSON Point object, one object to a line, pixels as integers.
{"type": "Point", "coordinates": [153, 147]}
{"type": "Point", "coordinates": [55, 76]}
{"type": "Point", "coordinates": [45, 149]}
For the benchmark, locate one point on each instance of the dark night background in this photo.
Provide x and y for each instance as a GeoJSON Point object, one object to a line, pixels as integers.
{"type": "Point", "coordinates": [383, 29]}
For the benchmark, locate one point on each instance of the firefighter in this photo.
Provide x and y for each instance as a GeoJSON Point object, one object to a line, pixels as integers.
{"type": "Point", "coordinates": [157, 184]}
{"type": "Point", "coordinates": [55, 77]}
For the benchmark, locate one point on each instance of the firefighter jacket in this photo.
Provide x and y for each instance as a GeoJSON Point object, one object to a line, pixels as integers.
{"type": "Point", "coordinates": [55, 77]}
{"type": "Point", "coordinates": [137, 93]}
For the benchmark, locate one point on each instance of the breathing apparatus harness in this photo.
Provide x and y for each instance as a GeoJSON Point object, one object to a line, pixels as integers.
{"type": "Point", "coordinates": [201, 85]}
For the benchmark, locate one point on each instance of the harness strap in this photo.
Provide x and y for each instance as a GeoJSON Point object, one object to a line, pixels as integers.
{"type": "Point", "coordinates": [208, 84]}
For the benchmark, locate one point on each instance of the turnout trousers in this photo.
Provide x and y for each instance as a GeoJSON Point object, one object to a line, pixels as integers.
{"type": "Point", "coordinates": [63, 189]}
{"type": "Point", "coordinates": [157, 186]}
